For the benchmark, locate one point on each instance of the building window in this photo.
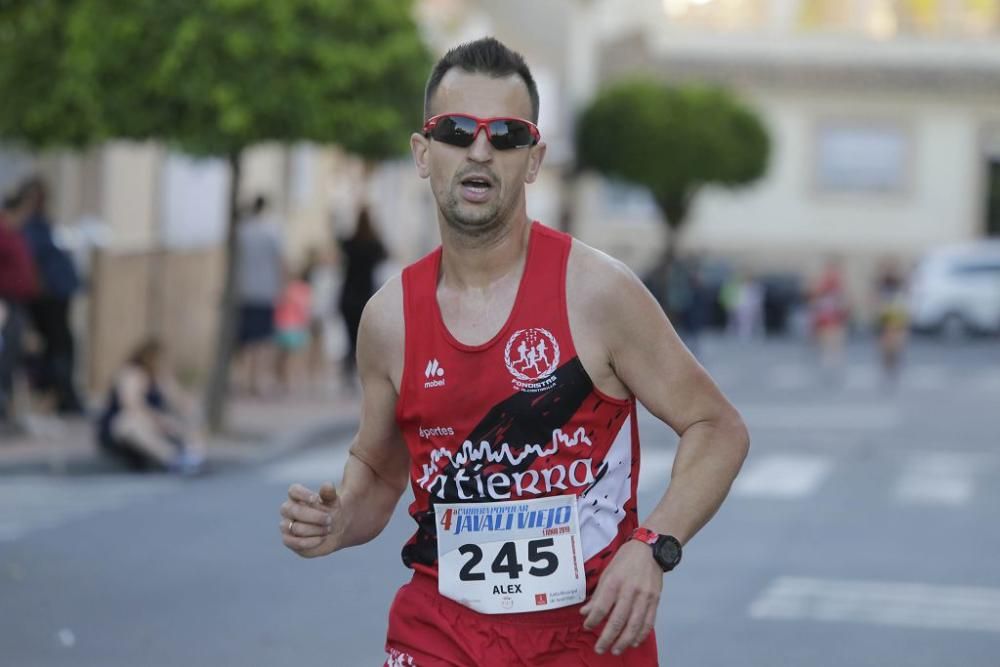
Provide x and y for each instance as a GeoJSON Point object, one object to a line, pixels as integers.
{"type": "Point", "coordinates": [858, 158]}
{"type": "Point", "coordinates": [884, 19]}
{"type": "Point", "coordinates": [718, 15]}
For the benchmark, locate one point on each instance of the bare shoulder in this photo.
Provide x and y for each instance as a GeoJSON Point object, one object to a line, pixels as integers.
{"type": "Point", "coordinates": [598, 283]}
{"type": "Point", "coordinates": [381, 336]}
{"type": "Point", "coordinates": [605, 304]}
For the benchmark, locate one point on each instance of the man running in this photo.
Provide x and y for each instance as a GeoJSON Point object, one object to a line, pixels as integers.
{"type": "Point", "coordinates": [528, 548]}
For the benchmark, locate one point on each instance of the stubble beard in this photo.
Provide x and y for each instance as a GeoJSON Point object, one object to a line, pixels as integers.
{"type": "Point", "coordinates": [479, 227]}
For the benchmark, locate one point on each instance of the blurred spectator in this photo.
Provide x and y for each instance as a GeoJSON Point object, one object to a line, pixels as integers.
{"type": "Point", "coordinates": [783, 295]}
{"type": "Point", "coordinates": [322, 277]}
{"type": "Point", "coordinates": [259, 277]}
{"type": "Point", "coordinates": [49, 310]}
{"type": "Point", "coordinates": [362, 253]}
{"type": "Point", "coordinates": [747, 303]}
{"type": "Point", "coordinates": [18, 285]}
{"type": "Point", "coordinates": [147, 421]}
{"type": "Point", "coordinates": [828, 309]}
{"type": "Point", "coordinates": [292, 318]}
{"type": "Point", "coordinates": [893, 319]}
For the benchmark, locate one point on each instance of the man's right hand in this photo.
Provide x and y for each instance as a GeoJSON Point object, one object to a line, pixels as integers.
{"type": "Point", "coordinates": [311, 523]}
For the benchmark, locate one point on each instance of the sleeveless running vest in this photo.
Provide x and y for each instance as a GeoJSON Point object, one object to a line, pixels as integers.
{"type": "Point", "coordinates": [516, 417]}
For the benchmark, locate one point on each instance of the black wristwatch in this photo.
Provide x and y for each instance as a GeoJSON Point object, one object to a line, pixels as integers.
{"type": "Point", "coordinates": [666, 548]}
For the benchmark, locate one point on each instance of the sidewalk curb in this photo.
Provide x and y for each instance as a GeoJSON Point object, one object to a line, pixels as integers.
{"type": "Point", "coordinates": [274, 447]}
{"type": "Point", "coordinates": [325, 432]}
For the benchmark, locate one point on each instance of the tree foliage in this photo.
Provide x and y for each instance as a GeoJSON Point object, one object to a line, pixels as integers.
{"type": "Point", "coordinates": [673, 141]}
{"type": "Point", "coordinates": [212, 76]}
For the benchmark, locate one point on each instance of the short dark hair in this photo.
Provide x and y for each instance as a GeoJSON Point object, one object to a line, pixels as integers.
{"type": "Point", "coordinates": [483, 56]}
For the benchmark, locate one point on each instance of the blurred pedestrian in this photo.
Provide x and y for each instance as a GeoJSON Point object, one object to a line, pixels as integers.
{"type": "Point", "coordinates": [893, 320]}
{"type": "Point", "coordinates": [148, 422]}
{"type": "Point", "coordinates": [747, 308]}
{"type": "Point", "coordinates": [321, 274]}
{"type": "Point", "coordinates": [828, 307]}
{"type": "Point", "coordinates": [50, 309]}
{"type": "Point", "coordinates": [362, 252]}
{"type": "Point", "coordinates": [18, 286]}
{"type": "Point", "coordinates": [259, 279]}
{"type": "Point", "coordinates": [699, 305]}
{"type": "Point", "coordinates": [292, 319]}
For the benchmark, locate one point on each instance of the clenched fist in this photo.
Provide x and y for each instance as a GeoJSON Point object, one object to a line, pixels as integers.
{"type": "Point", "coordinates": [309, 521]}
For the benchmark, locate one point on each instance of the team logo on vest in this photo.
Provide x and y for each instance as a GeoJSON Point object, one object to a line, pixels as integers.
{"type": "Point", "coordinates": [532, 356]}
{"type": "Point", "coordinates": [434, 374]}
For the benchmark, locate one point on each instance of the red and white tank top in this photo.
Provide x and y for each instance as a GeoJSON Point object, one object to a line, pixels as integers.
{"type": "Point", "coordinates": [516, 417]}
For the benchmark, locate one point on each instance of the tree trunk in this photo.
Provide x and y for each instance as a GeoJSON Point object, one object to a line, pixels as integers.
{"type": "Point", "coordinates": [567, 204]}
{"type": "Point", "coordinates": [217, 389]}
{"type": "Point", "coordinates": [674, 209]}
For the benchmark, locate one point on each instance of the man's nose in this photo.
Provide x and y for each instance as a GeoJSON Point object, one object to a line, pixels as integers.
{"type": "Point", "coordinates": [481, 150]}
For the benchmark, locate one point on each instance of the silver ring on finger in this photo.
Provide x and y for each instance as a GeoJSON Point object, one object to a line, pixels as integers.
{"type": "Point", "coordinates": [291, 525]}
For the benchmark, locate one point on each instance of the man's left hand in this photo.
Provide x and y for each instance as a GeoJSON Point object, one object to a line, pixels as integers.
{"type": "Point", "coordinates": [629, 590]}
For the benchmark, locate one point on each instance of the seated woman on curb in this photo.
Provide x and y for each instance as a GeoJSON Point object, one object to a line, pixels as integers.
{"type": "Point", "coordinates": [142, 423]}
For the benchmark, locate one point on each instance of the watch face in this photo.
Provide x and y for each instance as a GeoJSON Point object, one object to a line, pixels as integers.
{"type": "Point", "coordinates": [667, 552]}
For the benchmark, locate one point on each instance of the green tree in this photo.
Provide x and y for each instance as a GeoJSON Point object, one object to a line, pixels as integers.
{"type": "Point", "coordinates": [673, 141]}
{"type": "Point", "coordinates": [213, 77]}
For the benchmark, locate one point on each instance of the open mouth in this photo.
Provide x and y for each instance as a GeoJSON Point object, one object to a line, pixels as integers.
{"type": "Point", "coordinates": [477, 184]}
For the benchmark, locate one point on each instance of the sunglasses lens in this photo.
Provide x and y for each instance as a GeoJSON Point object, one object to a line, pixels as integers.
{"type": "Point", "coordinates": [511, 133]}
{"type": "Point", "coordinates": [455, 130]}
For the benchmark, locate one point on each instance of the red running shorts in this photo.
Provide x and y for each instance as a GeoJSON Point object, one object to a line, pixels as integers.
{"type": "Point", "coordinates": [429, 630]}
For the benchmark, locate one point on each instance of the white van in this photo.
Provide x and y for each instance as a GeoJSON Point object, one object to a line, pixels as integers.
{"type": "Point", "coordinates": [955, 290]}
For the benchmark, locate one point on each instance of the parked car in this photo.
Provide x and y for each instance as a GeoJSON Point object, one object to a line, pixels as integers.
{"type": "Point", "coordinates": [955, 290]}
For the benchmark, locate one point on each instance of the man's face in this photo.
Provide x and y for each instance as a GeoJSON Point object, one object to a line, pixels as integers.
{"type": "Point", "coordinates": [478, 188]}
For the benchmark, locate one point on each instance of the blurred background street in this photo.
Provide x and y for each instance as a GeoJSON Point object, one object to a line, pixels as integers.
{"type": "Point", "coordinates": [199, 197]}
{"type": "Point", "coordinates": [858, 534]}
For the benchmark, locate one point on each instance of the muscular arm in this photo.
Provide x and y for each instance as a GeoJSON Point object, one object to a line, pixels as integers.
{"type": "Point", "coordinates": [635, 349]}
{"type": "Point", "coordinates": [647, 355]}
{"type": "Point", "coordinates": [377, 469]}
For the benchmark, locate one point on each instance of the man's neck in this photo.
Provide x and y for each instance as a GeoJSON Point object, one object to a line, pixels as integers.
{"type": "Point", "coordinates": [470, 263]}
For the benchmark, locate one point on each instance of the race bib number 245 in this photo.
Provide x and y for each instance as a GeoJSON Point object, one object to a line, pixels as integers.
{"type": "Point", "coordinates": [517, 556]}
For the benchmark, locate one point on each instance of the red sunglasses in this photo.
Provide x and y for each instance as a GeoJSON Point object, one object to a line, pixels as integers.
{"type": "Point", "coordinates": [458, 129]}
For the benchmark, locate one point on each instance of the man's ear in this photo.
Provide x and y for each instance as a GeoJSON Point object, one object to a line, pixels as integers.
{"type": "Point", "coordinates": [420, 146]}
{"type": "Point", "coordinates": [535, 157]}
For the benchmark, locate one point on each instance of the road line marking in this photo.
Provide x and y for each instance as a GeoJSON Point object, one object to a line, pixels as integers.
{"type": "Point", "coordinates": [936, 478]}
{"type": "Point", "coordinates": [924, 376]}
{"type": "Point", "coordinates": [790, 376]}
{"type": "Point", "coordinates": [655, 464]}
{"type": "Point", "coordinates": [782, 476]}
{"type": "Point", "coordinates": [828, 417]}
{"type": "Point", "coordinates": [858, 377]}
{"type": "Point", "coordinates": [34, 503]}
{"type": "Point", "coordinates": [312, 466]}
{"type": "Point", "coordinates": [967, 608]}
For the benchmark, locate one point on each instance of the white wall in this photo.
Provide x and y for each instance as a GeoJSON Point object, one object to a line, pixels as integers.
{"type": "Point", "coordinates": [787, 211]}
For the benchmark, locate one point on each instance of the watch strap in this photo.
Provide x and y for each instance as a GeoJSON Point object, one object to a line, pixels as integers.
{"type": "Point", "coordinates": [645, 535]}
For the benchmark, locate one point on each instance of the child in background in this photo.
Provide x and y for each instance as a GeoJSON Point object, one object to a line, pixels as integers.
{"type": "Point", "coordinates": [291, 318]}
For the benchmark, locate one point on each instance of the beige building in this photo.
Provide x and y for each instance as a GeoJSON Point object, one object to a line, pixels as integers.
{"type": "Point", "coordinates": [885, 116]}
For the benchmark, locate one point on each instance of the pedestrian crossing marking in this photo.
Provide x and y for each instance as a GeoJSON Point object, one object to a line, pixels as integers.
{"type": "Point", "coordinates": [936, 478]}
{"type": "Point", "coordinates": [822, 417]}
{"type": "Point", "coordinates": [914, 605]}
{"type": "Point", "coordinates": [790, 376]}
{"type": "Point", "coordinates": [33, 503]}
{"type": "Point", "coordinates": [782, 476]}
{"type": "Point", "coordinates": [858, 377]}
{"type": "Point", "coordinates": [655, 465]}
{"type": "Point", "coordinates": [319, 465]}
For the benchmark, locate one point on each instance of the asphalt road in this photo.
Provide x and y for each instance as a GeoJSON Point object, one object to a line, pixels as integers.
{"type": "Point", "coordinates": [862, 532]}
